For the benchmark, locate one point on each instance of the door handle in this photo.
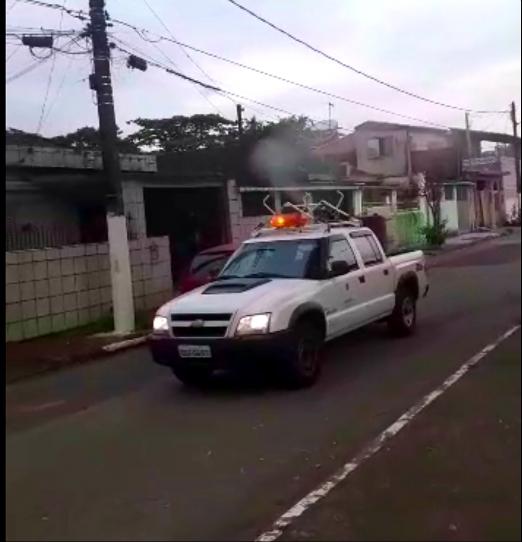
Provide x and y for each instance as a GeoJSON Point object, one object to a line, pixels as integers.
{"type": "Point", "coordinates": [362, 278]}
{"type": "Point", "coordinates": [386, 272]}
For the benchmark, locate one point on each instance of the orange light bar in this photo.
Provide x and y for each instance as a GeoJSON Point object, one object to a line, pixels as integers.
{"type": "Point", "coordinates": [292, 220]}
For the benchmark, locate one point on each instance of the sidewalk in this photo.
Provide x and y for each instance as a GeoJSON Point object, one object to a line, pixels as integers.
{"type": "Point", "coordinates": [452, 474]}
{"type": "Point", "coordinates": [467, 239]}
{"type": "Point", "coordinates": [29, 358]}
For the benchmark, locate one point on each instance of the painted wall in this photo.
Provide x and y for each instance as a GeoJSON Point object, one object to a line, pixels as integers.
{"type": "Point", "coordinates": [54, 289]}
{"type": "Point", "coordinates": [449, 211]}
{"type": "Point", "coordinates": [396, 164]}
{"type": "Point", "coordinates": [403, 229]}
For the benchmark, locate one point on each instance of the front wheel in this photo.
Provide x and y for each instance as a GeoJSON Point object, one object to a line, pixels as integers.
{"type": "Point", "coordinates": [303, 364]}
{"type": "Point", "coordinates": [193, 376]}
{"type": "Point", "coordinates": [403, 319]}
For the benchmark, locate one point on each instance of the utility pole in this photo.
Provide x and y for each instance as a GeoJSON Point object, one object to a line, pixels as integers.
{"type": "Point", "coordinates": [122, 296]}
{"type": "Point", "coordinates": [239, 110]}
{"type": "Point", "coordinates": [330, 105]}
{"type": "Point", "coordinates": [476, 192]}
{"type": "Point", "coordinates": [516, 151]}
{"type": "Point", "coordinates": [468, 135]}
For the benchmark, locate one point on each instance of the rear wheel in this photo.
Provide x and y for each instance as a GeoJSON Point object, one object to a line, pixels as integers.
{"type": "Point", "coordinates": [403, 320]}
{"type": "Point", "coordinates": [303, 364]}
{"type": "Point", "coordinates": [193, 376]}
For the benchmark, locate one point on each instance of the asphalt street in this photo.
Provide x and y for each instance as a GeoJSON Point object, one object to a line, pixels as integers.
{"type": "Point", "coordinates": [119, 450]}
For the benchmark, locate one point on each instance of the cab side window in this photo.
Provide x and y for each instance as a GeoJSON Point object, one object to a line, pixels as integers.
{"type": "Point", "coordinates": [368, 249]}
{"type": "Point", "coordinates": [340, 249]}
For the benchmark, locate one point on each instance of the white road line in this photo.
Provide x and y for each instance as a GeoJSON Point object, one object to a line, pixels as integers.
{"type": "Point", "coordinates": [375, 445]}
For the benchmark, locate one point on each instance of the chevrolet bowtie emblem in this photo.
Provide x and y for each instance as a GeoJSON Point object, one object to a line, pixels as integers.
{"type": "Point", "coordinates": [197, 323]}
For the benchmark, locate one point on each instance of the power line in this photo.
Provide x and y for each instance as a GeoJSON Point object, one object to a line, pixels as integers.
{"type": "Point", "coordinates": [12, 6]}
{"type": "Point", "coordinates": [141, 33]}
{"type": "Point", "coordinates": [15, 50]}
{"type": "Point", "coordinates": [78, 14]}
{"type": "Point", "coordinates": [44, 104]}
{"type": "Point", "coordinates": [27, 69]}
{"type": "Point", "coordinates": [184, 51]}
{"type": "Point", "coordinates": [58, 90]}
{"type": "Point", "coordinates": [352, 68]}
{"type": "Point", "coordinates": [215, 88]}
{"type": "Point", "coordinates": [50, 78]}
{"type": "Point", "coordinates": [160, 20]}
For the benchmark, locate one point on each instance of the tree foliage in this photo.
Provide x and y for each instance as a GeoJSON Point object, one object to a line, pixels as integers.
{"type": "Point", "coordinates": [83, 139]}
{"type": "Point", "coordinates": [181, 134]}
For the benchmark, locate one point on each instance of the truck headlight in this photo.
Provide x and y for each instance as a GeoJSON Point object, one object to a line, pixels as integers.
{"type": "Point", "coordinates": [160, 323]}
{"type": "Point", "coordinates": [250, 325]}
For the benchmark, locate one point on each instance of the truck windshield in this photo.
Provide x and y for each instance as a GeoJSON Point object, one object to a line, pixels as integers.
{"type": "Point", "coordinates": [276, 259]}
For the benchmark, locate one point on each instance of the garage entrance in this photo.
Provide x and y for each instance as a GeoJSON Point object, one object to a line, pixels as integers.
{"type": "Point", "coordinates": [193, 218]}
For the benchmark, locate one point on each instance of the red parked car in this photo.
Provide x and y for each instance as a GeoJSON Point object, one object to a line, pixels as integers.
{"type": "Point", "coordinates": [205, 266]}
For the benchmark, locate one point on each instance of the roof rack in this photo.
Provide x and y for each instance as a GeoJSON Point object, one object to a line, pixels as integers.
{"type": "Point", "coordinates": [322, 215]}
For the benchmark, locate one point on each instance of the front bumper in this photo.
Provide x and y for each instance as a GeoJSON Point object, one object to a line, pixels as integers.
{"type": "Point", "coordinates": [225, 353]}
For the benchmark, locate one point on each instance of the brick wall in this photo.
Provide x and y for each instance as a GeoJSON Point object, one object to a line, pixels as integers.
{"type": "Point", "coordinates": [53, 289]}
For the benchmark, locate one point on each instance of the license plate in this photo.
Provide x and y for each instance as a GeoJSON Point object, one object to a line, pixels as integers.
{"type": "Point", "coordinates": [194, 351]}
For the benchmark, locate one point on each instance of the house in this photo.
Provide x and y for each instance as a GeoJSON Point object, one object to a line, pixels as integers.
{"type": "Point", "coordinates": [387, 157]}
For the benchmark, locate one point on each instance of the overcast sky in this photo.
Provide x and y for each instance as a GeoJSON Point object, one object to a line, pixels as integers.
{"type": "Point", "coordinates": [463, 52]}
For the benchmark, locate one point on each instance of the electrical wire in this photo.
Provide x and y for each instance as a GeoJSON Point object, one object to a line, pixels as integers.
{"type": "Point", "coordinates": [160, 20]}
{"type": "Point", "coordinates": [214, 88]}
{"type": "Point", "coordinates": [12, 6]}
{"type": "Point", "coordinates": [15, 50]}
{"type": "Point", "coordinates": [186, 53]}
{"type": "Point", "coordinates": [26, 70]}
{"type": "Point", "coordinates": [78, 14]}
{"type": "Point", "coordinates": [50, 78]}
{"type": "Point", "coordinates": [141, 34]}
{"type": "Point", "coordinates": [58, 91]}
{"type": "Point", "coordinates": [352, 68]}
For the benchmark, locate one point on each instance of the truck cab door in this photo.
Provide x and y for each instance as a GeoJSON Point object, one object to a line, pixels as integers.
{"type": "Point", "coordinates": [341, 294]}
{"type": "Point", "coordinates": [378, 294]}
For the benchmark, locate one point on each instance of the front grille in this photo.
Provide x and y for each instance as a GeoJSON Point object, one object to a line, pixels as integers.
{"type": "Point", "coordinates": [195, 325]}
{"type": "Point", "coordinates": [211, 317]}
{"type": "Point", "coordinates": [193, 332]}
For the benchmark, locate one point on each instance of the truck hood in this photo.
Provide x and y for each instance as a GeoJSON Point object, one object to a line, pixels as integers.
{"type": "Point", "coordinates": [249, 296]}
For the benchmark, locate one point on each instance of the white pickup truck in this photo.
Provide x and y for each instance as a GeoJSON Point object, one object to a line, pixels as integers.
{"type": "Point", "coordinates": [281, 295]}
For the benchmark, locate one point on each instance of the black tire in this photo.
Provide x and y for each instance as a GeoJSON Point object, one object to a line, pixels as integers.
{"type": "Point", "coordinates": [193, 376]}
{"type": "Point", "coordinates": [302, 366]}
{"type": "Point", "coordinates": [403, 320]}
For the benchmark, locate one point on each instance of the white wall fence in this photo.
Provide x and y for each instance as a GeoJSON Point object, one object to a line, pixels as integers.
{"type": "Point", "coordinates": [54, 289]}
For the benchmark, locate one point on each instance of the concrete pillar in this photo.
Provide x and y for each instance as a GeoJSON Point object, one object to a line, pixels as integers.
{"type": "Point", "coordinates": [492, 206]}
{"type": "Point", "coordinates": [121, 280]}
{"type": "Point", "coordinates": [394, 201]}
{"type": "Point", "coordinates": [358, 202]}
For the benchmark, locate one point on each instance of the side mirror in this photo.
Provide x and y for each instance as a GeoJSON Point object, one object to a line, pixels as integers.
{"type": "Point", "coordinates": [213, 273]}
{"type": "Point", "coordinates": [340, 267]}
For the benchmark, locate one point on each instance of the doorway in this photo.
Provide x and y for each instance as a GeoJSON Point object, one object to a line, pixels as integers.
{"type": "Point", "coordinates": [193, 218]}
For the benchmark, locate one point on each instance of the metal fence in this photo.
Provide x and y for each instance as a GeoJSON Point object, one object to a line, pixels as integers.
{"type": "Point", "coordinates": [35, 236]}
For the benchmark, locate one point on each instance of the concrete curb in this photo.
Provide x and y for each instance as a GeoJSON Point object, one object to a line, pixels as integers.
{"type": "Point", "coordinates": [49, 366]}
{"type": "Point", "coordinates": [123, 345]}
